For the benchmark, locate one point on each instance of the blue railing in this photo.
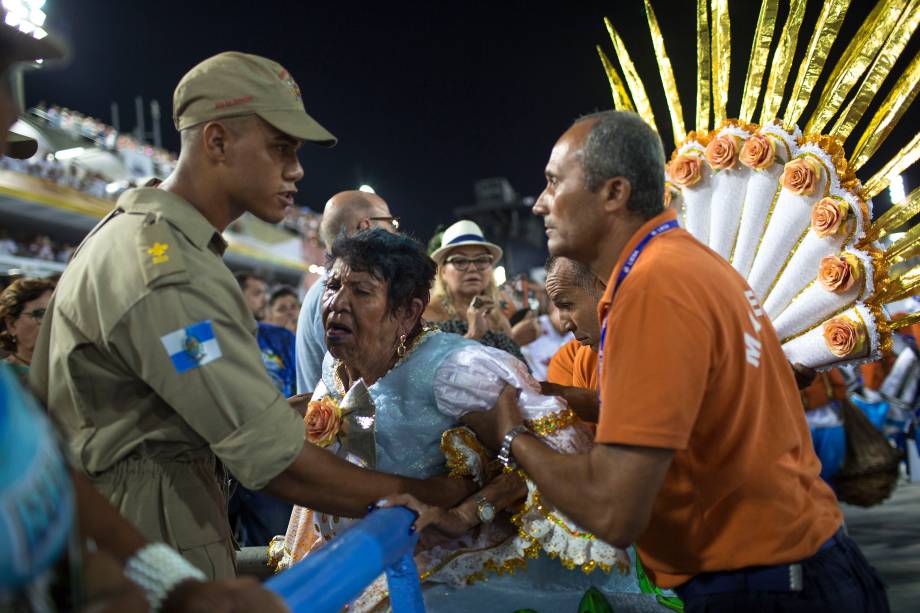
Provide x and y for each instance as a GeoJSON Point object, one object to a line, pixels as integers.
{"type": "Point", "coordinates": [330, 577]}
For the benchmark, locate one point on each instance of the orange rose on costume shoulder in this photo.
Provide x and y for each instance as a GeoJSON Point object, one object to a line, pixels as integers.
{"type": "Point", "coordinates": [685, 170]}
{"type": "Point", "coordinates": [722, 151]}
{"type": "Point", "coordinates": [827, 216]}
{"type": "Point", "coordinates": [801, 176]}
{"type": "Point", "coordinates": [838, 273]}
{"type": "Point", "coordinates": [323, 421]}
{"type": "Point", "coordinates": [758, 152]}
{"type": "Point", "coordinates": [844, 337]}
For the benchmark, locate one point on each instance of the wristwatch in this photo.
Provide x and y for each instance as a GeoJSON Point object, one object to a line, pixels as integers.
{"type": "Point", "coordinates": [485, 510]}
{"type": "Point", "coordinates": [504, 455]}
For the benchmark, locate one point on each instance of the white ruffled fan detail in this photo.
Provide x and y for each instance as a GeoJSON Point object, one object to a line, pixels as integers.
{"type": "Point", "coordinates": [782, 204]}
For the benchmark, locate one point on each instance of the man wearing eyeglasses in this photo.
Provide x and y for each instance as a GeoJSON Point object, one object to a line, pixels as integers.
{"type": "Point", "coordinates": [348, 212]}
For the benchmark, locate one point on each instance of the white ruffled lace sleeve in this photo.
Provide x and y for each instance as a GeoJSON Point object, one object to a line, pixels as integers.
{"type": "Point", "coordinates": [471, 380]}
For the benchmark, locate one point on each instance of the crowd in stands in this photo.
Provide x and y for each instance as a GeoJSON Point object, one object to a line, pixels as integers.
{"type": "Point", "coordinates": [103, 135]}
{"type": "Point", "coordinates": [39, 247]}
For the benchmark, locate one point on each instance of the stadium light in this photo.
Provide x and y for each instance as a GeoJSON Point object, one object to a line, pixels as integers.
{"type": "Point", "coordinates": [367, 188]}
{"type": "Point", "coordinates": [66, 154]}
{"type": "Point", "coordinates": [27, 15]}
{"type": "Point", "coordinates": [896, 188]}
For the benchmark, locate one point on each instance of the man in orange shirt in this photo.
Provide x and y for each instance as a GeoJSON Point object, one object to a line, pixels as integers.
{"type": "Point", "coordinates": [561, 365]}
{"type": "Point", "coordinates": [575, 292]}
{"type": "Point", "coordinates": [704, 459]}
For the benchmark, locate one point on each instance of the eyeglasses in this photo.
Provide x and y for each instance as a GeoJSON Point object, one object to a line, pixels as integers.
{"type": "Point", "coordinates": [36, 314]}
{"type": "Point", "coordinates": [461, 263]}
{"type": "Point", "coordinates": [394, 221]}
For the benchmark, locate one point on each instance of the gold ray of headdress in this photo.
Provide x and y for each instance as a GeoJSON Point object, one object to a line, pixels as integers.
{"type": "Point", "coordinates": [857, 57]}
{"type": "Point", "coordinates": [621, 101]}
{"type": "Point", "coordinates": [904, 322]}
{"type": "Point", "coordinates": [760, 51]}
{"type": "Point", "coordinates": [895, 217]}
{"type": "Point", "coordinates": [667, 77]}
{"type": "Point", "coordinates": [895, 166]}
{"type": "Point", "coordinates": [703, 74]}
{"type": "Point", "coordinates": [829, 21]}
{"type": "Point", "coordinates": [905, 247]}
{"type": "Point", "coordinates": [643, 106]}
{"type": "Point", "coordinates": [878, 71]}
{"type": "Point", "coordinates": [901, 287]}
{"type": "Point", "coordinates": [782, 62]}
{"type": "Point", "coordinates": [721, 59]}
{"type": "Point", "coordinates": [888, 115]}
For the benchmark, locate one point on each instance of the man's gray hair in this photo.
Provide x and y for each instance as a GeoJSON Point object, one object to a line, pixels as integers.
{"type": "Point", "coordinates": [620, 144]}
{"type": "Point", "coordinates": [581, 275]}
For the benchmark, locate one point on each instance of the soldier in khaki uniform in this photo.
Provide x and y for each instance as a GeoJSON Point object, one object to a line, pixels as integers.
{"type": "Point", "coordinates": [147, 356]}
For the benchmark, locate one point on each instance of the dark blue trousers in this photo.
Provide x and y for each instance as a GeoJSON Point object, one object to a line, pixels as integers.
{"type": "Point", "coordinates": [256, 517]}
{"type": "Point", "coordinates": [837, 579]}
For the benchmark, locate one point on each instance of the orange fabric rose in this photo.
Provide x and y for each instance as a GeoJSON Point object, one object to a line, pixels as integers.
{"type": "Point", "coordinates": [844, 337]}
{"type": "Point", "coordinates": [722, 152]}
{"type": "Point", "coordinates": [758, 152]}
{"type": "Point", "coordinates": [838, 273]}
{"type": "Point", "coordinates": [827, 216]}
{"type": "Point", "coordinates": [801, 176]}
{"type": "Point", "coordinates": [685, 170]}
{"type": "Point", "coordinates": [323, 421]}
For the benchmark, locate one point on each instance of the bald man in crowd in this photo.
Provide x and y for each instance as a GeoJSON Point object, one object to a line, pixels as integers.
{"type": "Point", "coordinates": [348, 212]}
{"type": "Point", "coordinates": [575, 292]}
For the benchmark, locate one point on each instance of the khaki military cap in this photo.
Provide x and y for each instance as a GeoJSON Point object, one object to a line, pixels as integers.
{"type": "Point", "coordinates": [232, 84]}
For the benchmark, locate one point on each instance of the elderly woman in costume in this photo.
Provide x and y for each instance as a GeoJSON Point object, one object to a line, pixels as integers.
{"type": "Point", "coordinates": [391, 398]}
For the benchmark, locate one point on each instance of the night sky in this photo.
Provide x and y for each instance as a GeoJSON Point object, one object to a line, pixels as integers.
{"type": "Point", "coordinates": [425, 98]}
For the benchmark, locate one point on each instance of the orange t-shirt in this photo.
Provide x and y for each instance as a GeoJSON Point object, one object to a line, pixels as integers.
{"type": "Point", "coordinates": [585, 371]}
{"type": "Point", "coordinates": [561, 366]}
{"type": "Point", "coordinates": [692, 363]}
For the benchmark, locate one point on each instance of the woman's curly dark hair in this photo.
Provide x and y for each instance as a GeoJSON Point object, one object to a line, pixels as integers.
{"type": "Point", "coordinates": [397, 259]}
{"type": "Point", "coordinates": [13, 300]}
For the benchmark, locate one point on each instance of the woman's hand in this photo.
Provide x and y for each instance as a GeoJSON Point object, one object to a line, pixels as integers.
{"type": "Point", "coordinates": [477, 317]}
{"type": "Point", "coordinates": [434, 524]}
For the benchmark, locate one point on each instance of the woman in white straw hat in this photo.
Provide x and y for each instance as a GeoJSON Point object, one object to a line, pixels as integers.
{"type": "Point", "coordinates": [464, 299]}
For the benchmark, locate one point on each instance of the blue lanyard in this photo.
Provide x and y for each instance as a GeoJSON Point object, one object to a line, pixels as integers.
{"type": "Point", "coordinates": [624, 272]}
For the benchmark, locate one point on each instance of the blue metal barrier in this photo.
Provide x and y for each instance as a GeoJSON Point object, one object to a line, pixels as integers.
{"type": "Point", "coordinates": [336, 573]}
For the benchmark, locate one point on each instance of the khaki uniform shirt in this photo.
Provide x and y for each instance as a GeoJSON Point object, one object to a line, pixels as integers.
{"type": "Point", "coordinates": [148, 360]}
